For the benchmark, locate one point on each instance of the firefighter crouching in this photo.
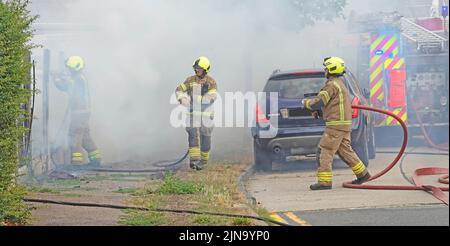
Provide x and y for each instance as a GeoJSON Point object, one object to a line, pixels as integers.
{"type": "Point", "coordinates": [334, 101]}
{"type": "Point", "coordinates": [198, 94]}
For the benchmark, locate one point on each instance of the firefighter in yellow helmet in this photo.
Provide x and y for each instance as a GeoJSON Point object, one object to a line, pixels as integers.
{"type": "Point", "coordinates": [335, 103]}
{"type": "Point", "coordinates": [76, 86]}
{"type": "Point", "coordinates": [198, 94]}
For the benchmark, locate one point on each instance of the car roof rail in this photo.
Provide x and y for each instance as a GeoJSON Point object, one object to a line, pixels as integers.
{"type": "Point", "coordinates": [276, 71]}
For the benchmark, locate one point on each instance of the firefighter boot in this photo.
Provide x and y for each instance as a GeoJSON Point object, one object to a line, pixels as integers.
{"type": "Point", "coordinates": [201, 165]}
{"type": "Point", "coordinates": [196, 165]}
{"type": "Point", "coordinates": [362, 179]}
{"type": "Point", "coordinates": [194, 154]}
{"type": "Point", "coordinates": [325, 181]}
{"type": "Point", "coordinates": [318, 186]}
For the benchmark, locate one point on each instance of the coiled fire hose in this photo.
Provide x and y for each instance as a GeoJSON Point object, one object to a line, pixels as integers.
{"type": "Point", "coordinates": [437, 192]}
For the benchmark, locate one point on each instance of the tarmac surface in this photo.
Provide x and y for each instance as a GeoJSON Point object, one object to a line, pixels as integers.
{"type": "Point", "coordinates": [285, 192]}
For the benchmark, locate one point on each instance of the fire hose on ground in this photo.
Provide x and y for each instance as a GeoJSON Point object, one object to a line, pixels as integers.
{"type": "Point", "coordinates": [427, 137]}
{"type": "Point", "coordinates": [163, 166]}
{"type": "Point", "coordinates": [159, 210]}
{"type": "Point", "coordinates": [437, 192]}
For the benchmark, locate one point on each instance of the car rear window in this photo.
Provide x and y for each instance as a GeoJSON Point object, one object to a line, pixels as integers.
{"type": "Point", "coordinates": [296, 88]}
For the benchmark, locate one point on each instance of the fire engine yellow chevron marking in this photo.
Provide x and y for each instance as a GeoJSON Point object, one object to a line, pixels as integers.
{"type": "Point", "coordinates": [385, 48]}
{"type": "Point", "coordinates": [388, 62]}
{"type": "Point", "coordinates": [395, 52]}
{"type": "Point", "coordinates": [405, 117]}
{"type": "Point", "coordinates": [377, 42]}
{"type": "Point", "coordinates": [390, 120]}
{"type": "Point", "coordinates": [381, 97]}
{"type": "Point", "coordinates": [399, 64]}
{"type": "Point", "coordinates": [375, 73]}
{"type": "Point", "coordinates": [377, 87]}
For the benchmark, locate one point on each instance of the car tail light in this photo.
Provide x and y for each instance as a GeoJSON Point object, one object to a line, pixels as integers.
{"type": "Point", "coordinates": [260, 115]}
{"type": "Point", "coordinates": [355, 102]}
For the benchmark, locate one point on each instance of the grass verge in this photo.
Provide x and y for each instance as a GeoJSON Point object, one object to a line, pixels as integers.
{"type": "Point", "coordinates": [213, 190]}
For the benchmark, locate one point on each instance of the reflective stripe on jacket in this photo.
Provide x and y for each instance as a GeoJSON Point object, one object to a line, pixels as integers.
{"type": "Point", "coordinates": [200, 91]}
{"type": "Point", "coordinates": [337, 108]}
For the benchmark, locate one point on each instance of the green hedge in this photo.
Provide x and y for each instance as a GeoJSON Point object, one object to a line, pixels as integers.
{"type": "Point", "coordinates": [15, 45]}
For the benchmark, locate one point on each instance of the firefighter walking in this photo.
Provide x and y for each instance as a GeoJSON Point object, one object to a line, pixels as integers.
{"type": "Point", "coordinates": [334, 101]}
{"type": "Point", "coordinates": [198, 94]}
{"type": "Point", "coordinates": [80, 140]}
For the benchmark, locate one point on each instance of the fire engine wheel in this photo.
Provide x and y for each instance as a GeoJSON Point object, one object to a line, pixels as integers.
{"type": "Point", "coordinates": [263, 161]}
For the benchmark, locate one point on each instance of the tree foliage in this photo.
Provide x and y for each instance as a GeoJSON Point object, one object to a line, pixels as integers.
{"type": "Point", "coordinates": [308, 12]}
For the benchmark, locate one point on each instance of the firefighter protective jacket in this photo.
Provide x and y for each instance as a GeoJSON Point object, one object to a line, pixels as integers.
{"type": "Point", "coordinates": [203, 91]}
{"type": "Point", "coordinates": [335, 103]}
{"type": "Point", "coordinates": [77, 88]}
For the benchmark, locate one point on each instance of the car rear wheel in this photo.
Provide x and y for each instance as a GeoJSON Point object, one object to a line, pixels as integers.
{"type": "Point", "coordinates": [263, 161]}
{"type": "Point", "coordinates": [362, 150]}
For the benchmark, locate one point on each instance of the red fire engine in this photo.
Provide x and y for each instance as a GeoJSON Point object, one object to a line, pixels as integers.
{"type": "Point", "coordinates": [406, 66]}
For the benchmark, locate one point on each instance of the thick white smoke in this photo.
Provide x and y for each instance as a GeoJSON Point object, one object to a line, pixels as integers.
{"type": "Point", "coordinates": [138, 51]}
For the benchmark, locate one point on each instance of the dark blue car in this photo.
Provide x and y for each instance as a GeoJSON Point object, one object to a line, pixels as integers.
{"type": "Point", "coordinates": [298, 132]}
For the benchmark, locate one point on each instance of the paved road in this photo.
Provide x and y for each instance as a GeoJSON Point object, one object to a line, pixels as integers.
{"type": "Point", "coordinates": [436, 215]}
{"type": "Point", "coordinates": [285, 192]}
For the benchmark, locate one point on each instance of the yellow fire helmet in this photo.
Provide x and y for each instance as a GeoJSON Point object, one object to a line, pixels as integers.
{"type": "Point", "coordinates": [202, 63]}
{"type": "Point", "coordinates": [335, 65]}
{"type": "Point", "coordinates": [75, 63]}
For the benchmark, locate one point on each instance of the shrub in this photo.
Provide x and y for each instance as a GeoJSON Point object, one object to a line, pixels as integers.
{"type": "Point", "coordinates": [15, 47]}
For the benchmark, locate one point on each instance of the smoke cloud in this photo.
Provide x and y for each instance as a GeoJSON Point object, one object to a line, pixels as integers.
{"type": "Point", "coordinates": [137, 52]}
